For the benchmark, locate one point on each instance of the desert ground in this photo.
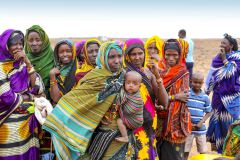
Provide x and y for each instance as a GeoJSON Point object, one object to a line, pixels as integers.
{"type": "Point", "coordinates": [204, 51]}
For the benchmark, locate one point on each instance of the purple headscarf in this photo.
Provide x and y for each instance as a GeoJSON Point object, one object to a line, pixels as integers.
{"type": "Point", "coordinates": [120, 43]}
{"type": "Point", "coordinates": [4, 53]}
{"type": "Point", "coordinates": [80, 46]}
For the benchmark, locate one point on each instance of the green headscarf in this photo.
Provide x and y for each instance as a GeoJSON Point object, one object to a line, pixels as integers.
{"type": "Point", "coordinates": [43, 62]}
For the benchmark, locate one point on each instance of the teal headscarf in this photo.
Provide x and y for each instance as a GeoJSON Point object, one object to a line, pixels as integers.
{"type": "Point", "coordinates": [102, 58]}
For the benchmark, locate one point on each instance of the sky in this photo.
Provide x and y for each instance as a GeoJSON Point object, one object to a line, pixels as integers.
{"type": "Point", "coordinates": [123, 18]}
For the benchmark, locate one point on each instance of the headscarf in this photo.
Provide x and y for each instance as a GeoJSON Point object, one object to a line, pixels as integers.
{"type": "Point", "coordinates": [102, 57]}
{"type": "Point", "coordinates": [15, 37]}
{"type": "Point", "coordinates": [133, 43]}
{"type": "Point", "coordinates": [43, 62]}
{"type": "Point", "coordinates": [86, 66]}
{"type": "Point", "coordinates": [80, 46]}
{"type": "Point", "coordinates": [175, 45]}
{"type": "Point", "coordinates": [120, 43]}
{"type": "Point", "coordinates": [130, 44]}
{"type": "Point", "coordinates": [8, 61]}
{"type": "Point", "coordinates": [79, 50]}
{"type": "Point", "coordinates": [87, 43]}
{"type": "Point", "coordinates": [185, 48]}
{"type": "Point", "coordinates": [80, 111]}
{"type": "Point", "coordinates": [159, 44]}
{"type": "Point", "coordinates": [66, 80]}
{"type": "Point", "coordinates": [9, 36]}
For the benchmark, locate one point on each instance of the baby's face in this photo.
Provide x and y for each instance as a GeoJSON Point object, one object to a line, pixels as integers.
{"type": "Point", "coordinates": [132, 84]}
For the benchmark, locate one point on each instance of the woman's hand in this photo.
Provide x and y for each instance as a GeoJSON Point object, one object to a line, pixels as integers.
{"type": "Point", "coordinates": [54, 72]}
{"type": "Point", "coordinates": [222, 53]}
{"type": "Point", "coordinates": [155, 57]}
{"type": "Point", "coordinates": [182, 96]}
{"type": "Point", "coordinates": [153, 68]}
{"type": "Point", "coordinates": [19, 54]}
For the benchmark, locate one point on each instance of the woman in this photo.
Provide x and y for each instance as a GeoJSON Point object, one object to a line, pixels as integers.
{"type": "Point", "coordinates": [19, 128]}
{"type": "Point", "coordinates": [223, 80]}
{"type": "Point", "coordinates": [176, 118]}
{"type": "Point", "coordinates": [90, 51]}
{"type": "Point", "coordinates": [40, 53]}
{"type": "Point", "coordinates": [79, 50]}
{"type": "Point", "coordinates": [153, 48]}
{"type": "Point", "coordinates": [62, 77]}
{"type": "Point", "coordinates": [80, 111]}
{"type": "Point", "coordinates": [152, 91]}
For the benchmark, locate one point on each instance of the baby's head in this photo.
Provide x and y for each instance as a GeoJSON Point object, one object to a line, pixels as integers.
{"type": "Point", "coordinates": [132, 82]}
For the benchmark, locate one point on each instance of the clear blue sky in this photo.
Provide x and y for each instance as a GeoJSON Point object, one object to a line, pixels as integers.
{"type": "Point", "coordinates": [124, 18]}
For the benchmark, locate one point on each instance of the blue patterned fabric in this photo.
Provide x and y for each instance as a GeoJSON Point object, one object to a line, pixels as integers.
{"type": "Point", "coordinates": [224, 81]}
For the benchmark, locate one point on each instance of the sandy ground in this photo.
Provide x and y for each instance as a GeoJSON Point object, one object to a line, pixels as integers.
{"type": "Point", "coordinates": [204, 51]}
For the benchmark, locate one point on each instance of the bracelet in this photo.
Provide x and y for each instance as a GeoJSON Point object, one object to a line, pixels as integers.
{"type": "Point", "coordinates": [159, 81]}
{"type": "Point", "coordinates": [29, 67]}
{"type": "Point", "coordinates": [171, 98]}
{"type": "Point", "coordinates": [225, 62]}
{"type": "Point", "coordinates": [31, 71]}
{"type": "Point", "coordinates": [53, 82]}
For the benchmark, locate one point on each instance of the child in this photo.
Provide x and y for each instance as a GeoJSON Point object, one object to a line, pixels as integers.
{"type": "Point", "coordinates": [200, 109]}
{"type": "Point", "coordinates": [130, 105]}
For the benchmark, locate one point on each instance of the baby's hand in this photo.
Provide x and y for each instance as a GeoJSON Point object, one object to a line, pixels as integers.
{"type": "Point", "coordinates": [105, 122]}
{"type": "Point", "coordinates": [44, 113]}
{"type": "Point", "coordinates": [40, 104]}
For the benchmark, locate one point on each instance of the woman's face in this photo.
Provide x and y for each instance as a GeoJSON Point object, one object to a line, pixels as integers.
{"type": "Point", "coordinates": [136, 57]}
{"type": "Point", "coordinates": [65, 54]}
{"type": "Point", "coordinates": [172, 57]}
{"type": "Point", "coordinates": [92, 51]}
{"type": "Point", "coordinates": [114, 60]}
{"type": "Point", "coordinates": [152, 49]}
{"type": "Point", "coordinates": [14, 48]}
{"type": "Point", "coordinates": [226, 45]}
{"type": "Point", "coordinates": [34, 41]}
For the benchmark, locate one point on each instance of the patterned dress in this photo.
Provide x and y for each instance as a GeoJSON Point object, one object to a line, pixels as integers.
{"type": "Point", "coordinates": [19, 128]}
{"type": "Point", "coordinates": [224, 81]}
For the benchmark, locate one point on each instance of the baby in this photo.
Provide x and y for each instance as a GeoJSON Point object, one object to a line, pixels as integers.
{"type": "Point", "coordinates": [130, 105]}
